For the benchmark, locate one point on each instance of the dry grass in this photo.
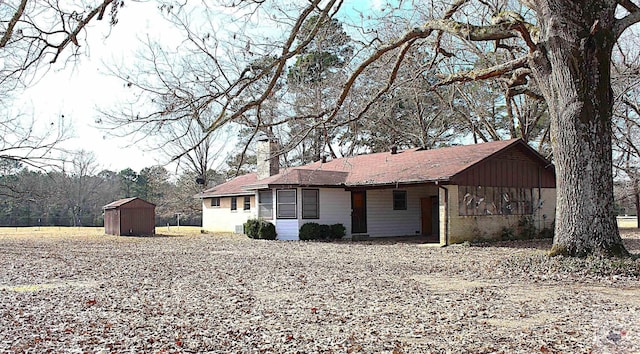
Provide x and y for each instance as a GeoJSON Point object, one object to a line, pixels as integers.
{"type": "Point", "coordinates": [53, 232]}
{"type": "Point", "coordinates": [182, 291]}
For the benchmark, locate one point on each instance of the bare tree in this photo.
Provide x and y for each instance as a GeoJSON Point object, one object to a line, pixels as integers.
{"type": "Point", "coordinates": [558, 50]}
{"type": "Point", "coordinates": [37, 33]}
{"type": "Point", "coordinates": [626, 125]}
{"type": "Point", "coordinates": [33, 143]}
{"type": "Point", "coordinates": [34, 35]}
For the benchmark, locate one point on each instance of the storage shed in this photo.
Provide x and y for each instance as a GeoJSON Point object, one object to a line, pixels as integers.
{"type": "Point", "coordinates": [130, 216]}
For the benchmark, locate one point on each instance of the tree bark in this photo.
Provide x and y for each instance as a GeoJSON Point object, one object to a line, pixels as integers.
{"type": "Point", "coordinates": [572, 67]}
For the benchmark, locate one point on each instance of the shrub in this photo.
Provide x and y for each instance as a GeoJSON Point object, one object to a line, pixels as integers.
{"type": "Point", "coordinates": [260, 229]}
{"type": "Point", "coordinates": [315, 231]}
{"type": "Point", "coordinates": [251, 228]}
{"type": "Point", "coordinates": [310, 231]}
{"type": "Point", "coordinates": [337, 231]}
{"type": "Point", "coordinates": [324, 232]}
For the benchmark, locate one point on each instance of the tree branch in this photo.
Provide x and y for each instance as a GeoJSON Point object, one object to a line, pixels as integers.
{"type": "Point", "coordinates": [12, 24]}
{"type": "Point", "coordinates": [632, 18]}
{"type": "Point", "coordinates": [487, 73]}
{"type": "Point", "coordinates": [72, 36]}
{"type": "Point", "coordinates": [629, 6]}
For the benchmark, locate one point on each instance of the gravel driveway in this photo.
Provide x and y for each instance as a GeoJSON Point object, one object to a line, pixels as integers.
{"type": "Point", "coordinates": [226, 293]}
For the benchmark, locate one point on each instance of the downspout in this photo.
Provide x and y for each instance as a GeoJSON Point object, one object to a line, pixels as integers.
{"type": "Point", "coordinates": [446, 214]}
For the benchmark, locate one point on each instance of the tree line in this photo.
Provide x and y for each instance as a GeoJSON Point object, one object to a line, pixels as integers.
{"type": "Point", "coordinates": [76, 197]}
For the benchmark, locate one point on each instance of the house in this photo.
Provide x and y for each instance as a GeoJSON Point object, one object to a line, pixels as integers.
{"type": "Point", "coordinates": [130, 216]}
{"type": "Point", "coordinates": [452, 194]}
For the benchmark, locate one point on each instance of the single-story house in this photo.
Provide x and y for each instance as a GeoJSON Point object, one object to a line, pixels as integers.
{"type": "Point", "coordinates": [452, 194]}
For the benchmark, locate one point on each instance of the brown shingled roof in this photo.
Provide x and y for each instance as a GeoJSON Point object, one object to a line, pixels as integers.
{"type": "Point", "coordinates": [413, 166]}
{"type": "Point", "coordinates": [232, 187]}
{"type": "Point", "coordinates": [409, 166]}
{"type": "Point", "coordinates": [404, 167]}
{"type": "Point", "coordinates": [302, 176]}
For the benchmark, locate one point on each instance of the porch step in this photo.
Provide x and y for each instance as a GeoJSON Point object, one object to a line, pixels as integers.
{"type": "Point", "coordinates": [360, 237]}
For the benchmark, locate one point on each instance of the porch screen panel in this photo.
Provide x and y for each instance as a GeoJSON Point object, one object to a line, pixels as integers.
{"type": "Point", "coordinates": [265, 205]}
{"type": "Point", "coordinates": [478, 200]}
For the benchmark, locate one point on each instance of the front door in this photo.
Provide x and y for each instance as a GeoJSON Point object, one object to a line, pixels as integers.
{"type": "Point", "coordinates": [358, 212]}
{"type": "Point", "coordinates": [429, 210]}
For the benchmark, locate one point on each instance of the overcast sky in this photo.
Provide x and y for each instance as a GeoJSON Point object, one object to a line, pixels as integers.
{"type": "Point", "coordinates": [75, 91]}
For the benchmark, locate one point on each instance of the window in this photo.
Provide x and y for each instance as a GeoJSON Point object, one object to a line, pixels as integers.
{"type": "Point", "coordinates": [215, 202]}
{"type": "Point", "coordinates": [234, 203]}
{"type": "Point", "coordinates": [247, 203]}
{"type": "Point", "coordinates": [399, 200]}
{"type": "Point", "coordinates": [310, 204]}
{"type": "Point", "coordinates": [265, 204]}
{"type": "Point", "coordinates": [286, 203]}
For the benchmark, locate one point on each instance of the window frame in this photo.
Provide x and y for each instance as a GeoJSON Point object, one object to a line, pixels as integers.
{"type": "Point", "coordinates": [397, 194]}
{"type": "Point", "coordinates": [247, 203]}
{"type": "Point", "coordinates": [317, 204]}
{"type": "Point", "coordinates": [279, 203]}
{"type": "Point", "coordinates": [262, 204]}
{"type": "Point", "coordinates": [215, 202]}
{"type": "Point", "coordinates": [234, 203]}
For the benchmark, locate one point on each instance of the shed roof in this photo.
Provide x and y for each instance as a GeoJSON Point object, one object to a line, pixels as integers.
{"type": "Point", "coordinates": [120, 202]}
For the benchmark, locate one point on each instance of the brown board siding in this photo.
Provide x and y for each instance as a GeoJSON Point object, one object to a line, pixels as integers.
{"type": "Point", "coordinates": [514, 167]}
{"type": "Point", "coordinates": [137, 222]}
{"type": "Point", "coordinates": [130, 217]}
{"type": "Point", "coordinates": [111, 222]}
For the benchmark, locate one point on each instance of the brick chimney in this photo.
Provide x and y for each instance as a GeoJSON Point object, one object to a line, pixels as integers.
{"type": "Point", "coordinates": [267, 164]}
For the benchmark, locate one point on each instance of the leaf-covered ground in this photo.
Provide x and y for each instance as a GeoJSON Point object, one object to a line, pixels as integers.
{"type": "Point", "coordinates": [225, 293]}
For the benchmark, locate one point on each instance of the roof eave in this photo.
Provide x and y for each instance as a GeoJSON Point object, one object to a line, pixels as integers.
{"type": "Point", "coordinates": [222, 195]}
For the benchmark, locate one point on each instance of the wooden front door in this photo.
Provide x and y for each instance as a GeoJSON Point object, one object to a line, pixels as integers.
{"type": "Point", "coordinates": [358, 212]}
{"type": "Point", "coordinates": [429, 210]}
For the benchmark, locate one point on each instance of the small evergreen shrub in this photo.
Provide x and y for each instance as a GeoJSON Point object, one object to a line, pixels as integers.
{"type": "Point", "coordinates": [338, 231]}
{"type": "Point", "coordinates": [310, 231]}
{"type": "Point", "coordinates": [315, 231]}
{"type": "Point", "coordinates": [325, 232]}
{"type": "Point", "coordinates": [260, 229]}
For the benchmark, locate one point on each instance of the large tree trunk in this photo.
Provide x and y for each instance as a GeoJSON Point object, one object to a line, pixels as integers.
{"type": "Point", "coordinates": [572, 68]}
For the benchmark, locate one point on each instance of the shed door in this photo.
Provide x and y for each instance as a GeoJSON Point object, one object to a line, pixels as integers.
{"type": "Point", "coordinates": [358, 212]}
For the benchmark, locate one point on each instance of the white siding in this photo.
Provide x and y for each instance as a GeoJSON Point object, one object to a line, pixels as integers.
{"type": "Point", "coordinates": [383, 221]}
{"type": "Point", "coordinates": [287, 229]}
{"type": "Point", "coordinates": [222, 218]}
{"type": "Point", "coordinates": [335, 208]}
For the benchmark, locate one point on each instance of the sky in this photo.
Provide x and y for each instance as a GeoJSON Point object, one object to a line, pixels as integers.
{"type": "Point", "coordinates": [76, 91]}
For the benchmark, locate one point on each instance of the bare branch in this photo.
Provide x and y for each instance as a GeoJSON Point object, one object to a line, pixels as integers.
{"type": "Point", "coordinates": [487, 73]}
{"type": "Point", "coordinates": [72, 36]}
{"type": "Point", "coordinates": [14, 20]}
{"type": "Point", "coordinates": [630, 19]}
{"type": "Point", "coordinates": [629, 5]}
